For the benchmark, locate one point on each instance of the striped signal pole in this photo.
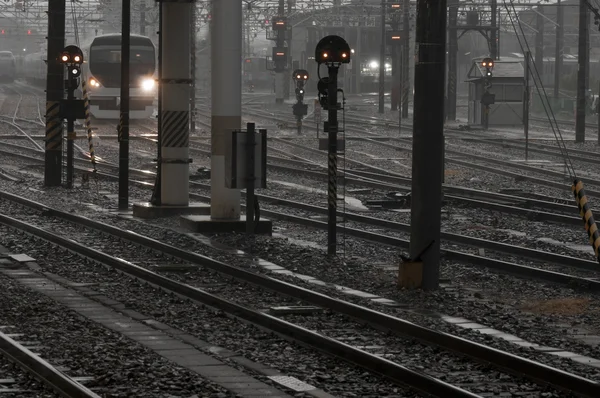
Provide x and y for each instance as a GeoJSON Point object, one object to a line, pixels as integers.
{"type": "Point", "coordinates": [54, 94]}
{"type": "Point", "coordinates": [174, 127]}
{"type": "Point", "coordinates": [124, 114]}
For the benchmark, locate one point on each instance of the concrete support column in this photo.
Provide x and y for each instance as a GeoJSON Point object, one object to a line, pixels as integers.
{"type": "Point", "coordinates": [226, 55]}
{"type": "Point", "coordinates": [280, 82]}
{"type": "Point", "coordinates": [175, 97]}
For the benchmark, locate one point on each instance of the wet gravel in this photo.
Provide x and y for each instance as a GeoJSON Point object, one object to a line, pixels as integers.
{"type": "Point", "coordinates": [506, 303]}
{"type": "Point", "coordinates": [120, 367]}
{"type": "Point", "coordinates": [211, 325]}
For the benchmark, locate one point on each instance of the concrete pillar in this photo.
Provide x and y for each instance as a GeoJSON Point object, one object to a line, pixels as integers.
{"type": "Point", "coordinates": [175, 112]}
{"type": "Point", "coordinates": [280, 82]}
{"type": "Point", "coordinates": [226, 55]}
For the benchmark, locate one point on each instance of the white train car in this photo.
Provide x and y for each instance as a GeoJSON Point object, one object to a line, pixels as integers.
{"type": "Point", "coordinates": [102, 69]}
{"type": "Point", "coordinates": [8, 67]}
{"type": "Point", "coordinates": [34, 69]}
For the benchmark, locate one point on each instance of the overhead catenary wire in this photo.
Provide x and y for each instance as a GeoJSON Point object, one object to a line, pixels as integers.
{"type": "Point", "coordinates": [577, 188]}
{"type": "Point", "coordinates": [537, 80]}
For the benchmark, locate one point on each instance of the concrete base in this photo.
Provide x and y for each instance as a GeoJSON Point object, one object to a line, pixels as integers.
{"type": "Point", "coordinates": [148, 210]}
{"type": "Point", "coordinates": [204, 224]}
{"type": "Point", "coordinates": [410, 275]}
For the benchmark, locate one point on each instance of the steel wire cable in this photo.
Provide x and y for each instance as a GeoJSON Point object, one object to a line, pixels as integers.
{"type": "Point", "coordinates": [541, 91]}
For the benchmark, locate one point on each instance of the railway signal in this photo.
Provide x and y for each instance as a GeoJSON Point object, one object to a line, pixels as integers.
{"type": "Point", "coordinates": [72, 58]}
{"type": "Point", "coordinates": [333, 51]}
{"type": "Point", "coordinates": [487, 98]}
{"type": "Point", "coordinates": [300, 76]}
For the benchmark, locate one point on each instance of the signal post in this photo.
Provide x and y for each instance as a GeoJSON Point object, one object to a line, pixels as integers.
{"type": "Point", "coordinates": [300, 77]}
{"type": "Point", "coordinates": [71, 109]}
{"type": "Point", "coordinates": [333, 51]}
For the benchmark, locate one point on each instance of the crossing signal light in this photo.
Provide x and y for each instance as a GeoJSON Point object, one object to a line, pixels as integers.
{"type": "Point", "coordinates": [332, 49]}
{"type": "Point", "coordinates": [75, 71]}
{"type": "Point", "coordinates": [487, 63]}
{"type": "Point", "coordinates": [72, 55]}
{"type": "Point", "coordinates": [300, 75]}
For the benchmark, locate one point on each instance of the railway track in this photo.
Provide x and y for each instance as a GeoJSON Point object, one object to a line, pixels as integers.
{"type": "Point", "coordinates": [585, 270]}
{"type": "Point", "coordinates": [43, 371]}
{"type": "Point", "coordinates": [87, 244]}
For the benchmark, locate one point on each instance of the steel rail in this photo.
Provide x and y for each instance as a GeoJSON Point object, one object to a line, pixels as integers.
{"type": "Point", "coordinates": [447, 236]}
{"type": "Point", "coordinates": [456, 238]}
{"type": "Point", "coordinates": [42, 370]}
{"type": "Point", "coordinates": [393, 371]}
{"type": "Point", "coordinates": [507, 362]}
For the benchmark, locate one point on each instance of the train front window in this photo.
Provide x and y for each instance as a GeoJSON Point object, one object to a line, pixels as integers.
{"type": "Point", "coordinates": [112, 55]}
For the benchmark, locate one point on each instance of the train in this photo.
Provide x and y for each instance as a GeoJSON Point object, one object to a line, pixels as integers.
{"type": "Point", "coordinates": [256, 75]}
{"type": "Point", "coordinates": [102, 71]}
{"type": "Point", "coordinates": [8, 68]}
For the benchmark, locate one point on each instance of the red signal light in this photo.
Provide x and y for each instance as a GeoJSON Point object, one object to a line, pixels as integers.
{"type": "Point", "coordinates": [29, 31]}
{"type": "Point", "coordinates": [2, 31]}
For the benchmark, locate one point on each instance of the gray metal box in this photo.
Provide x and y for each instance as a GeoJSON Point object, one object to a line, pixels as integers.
{"type": "Point", "coordinates": [236, 160]}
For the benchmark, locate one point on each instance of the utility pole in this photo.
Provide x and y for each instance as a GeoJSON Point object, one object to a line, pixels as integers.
{"type": "Point", "coordinates": [289, 46]}
{"type": "Point", "coordinates": [54, 94]}
{"type": "Point", "coordinates": [382, 60]}
{"type": "Point", "coordinates": [583, 65]}
{"type": "Point", "coordinates": [226, 53]}
{"type": "Point", "coordinates": [143, 17]}
{"type": "Point", "coordinates": [558, 53]}
{"type": "Point", "coordinates": [494, 54]}
{"type": "Point", "coordinates": [124, 116]}
{"type": "Point", "coordinates": [539, 40]}
{"type": "Point", "coordinates": [428, 139]}
{"type": "Point", "coordinates": [280, 69]}
{"type": "Point", "coordinates": [526, 103]}
{"type": "Point", "coordinates": [452, 58]}
{"type": "Point", "coordinates": [193, 69]}
{"type": "Point", "coordinates": [406, 64]}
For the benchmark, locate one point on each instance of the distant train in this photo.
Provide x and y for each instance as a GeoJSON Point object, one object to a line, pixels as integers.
{"type": "Point", "coordinates": [256, 75]}
{"type": "Point", "coordinates": [102, 71]}
{"type": "Point", "coordinates": [8, 67]}
{"type": "Point", "coordinates": [568, 73]}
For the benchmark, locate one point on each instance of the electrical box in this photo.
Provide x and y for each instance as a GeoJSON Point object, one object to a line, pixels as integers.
{"type": "Point", "coordinates": [488, 99]}
{"type": "Point", "coordinates": [300, 109]}
{"type": "Point", "coordinates": [74, 109]}
{"type": "Point", "coordinates": [236, 160]}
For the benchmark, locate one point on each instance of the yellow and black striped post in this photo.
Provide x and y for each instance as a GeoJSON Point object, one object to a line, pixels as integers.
{"type": "Point", "coordinates": [54, 93]}
{"type": "Point", "coordinates": [586, 214]}
{"type": "Point", "coordinates": [332, 135]}
{"type": "Point", "coordinates": [53, 138]}
{"type": "Point", "coordinates": [88, 123]}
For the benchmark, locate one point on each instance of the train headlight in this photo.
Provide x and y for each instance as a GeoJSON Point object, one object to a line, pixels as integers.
{"type": "Point", "coordinates": [94, 82]}
{"type": "Point", "coordinates": [147, 84]}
